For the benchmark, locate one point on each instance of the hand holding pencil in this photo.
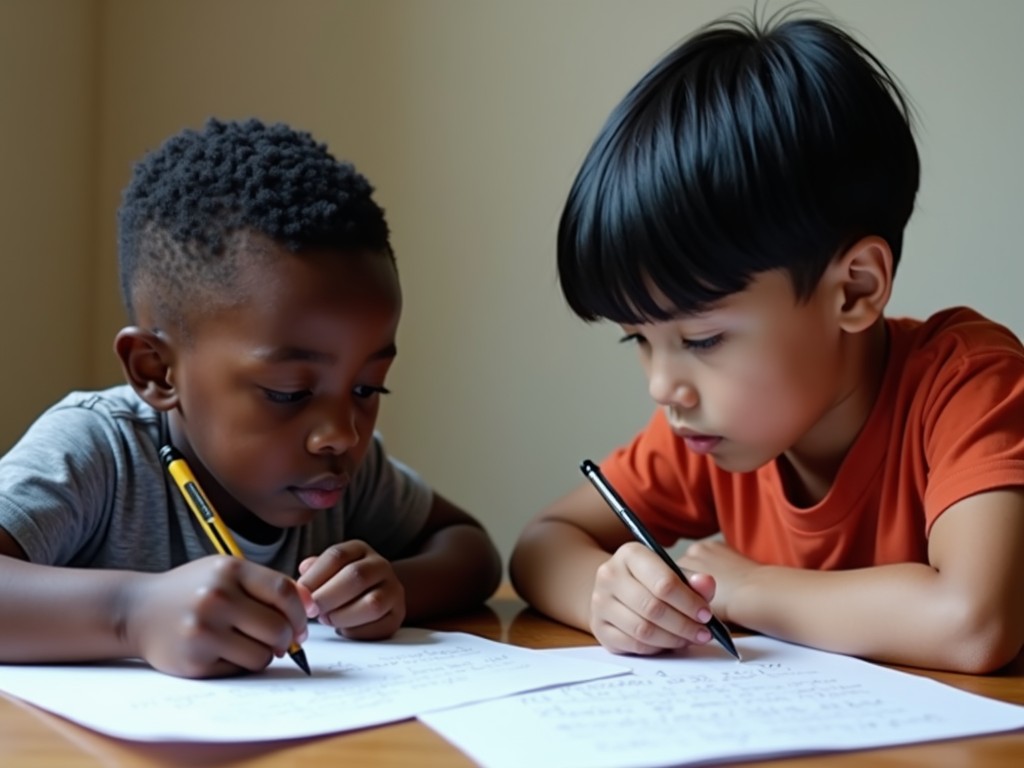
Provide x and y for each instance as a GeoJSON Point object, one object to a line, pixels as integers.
{"type": "Point", "coordinates": [256, 587]}
{"type": "Point", "coordinates": [212, 617]}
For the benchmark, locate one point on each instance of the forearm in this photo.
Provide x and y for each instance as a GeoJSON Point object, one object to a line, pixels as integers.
{"type": "Point", "coordinates": [62, 614]}
{"type": "Point", "coordinates": [553, 569]}
{"type": "Point", "coordinates": [902, 614]}
{"type": "Point", "coordinates": [457, 569]}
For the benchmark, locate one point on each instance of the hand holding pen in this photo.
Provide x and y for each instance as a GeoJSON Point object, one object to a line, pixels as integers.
{"type": "Point", "coordinates": [717, 629]}
{"type": "Point", "coordinates": [252, 584]}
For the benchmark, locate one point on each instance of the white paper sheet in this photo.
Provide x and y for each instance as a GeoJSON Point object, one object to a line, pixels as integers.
{"type": "Point", "coordinates": [354, 685]}
{"type": "Point", "coordinates": [704, 706]}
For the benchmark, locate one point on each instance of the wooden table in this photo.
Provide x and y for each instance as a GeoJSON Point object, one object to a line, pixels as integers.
{"type": "Point", "coordinates": [31, 738]}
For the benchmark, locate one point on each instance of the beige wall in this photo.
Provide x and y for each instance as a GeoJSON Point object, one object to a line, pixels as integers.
{"type": "Point", "coordinates": [47, 135]}
{"type": "Point", "coordinates": [471, 116]}
{"type": "Point", "coordinates": [166, 65]}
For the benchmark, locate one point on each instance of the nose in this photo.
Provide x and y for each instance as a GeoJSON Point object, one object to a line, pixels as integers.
{"type": "Point", "coordinates": [669, 384]}
{"type": "Point", "coordinates": [334, 430]}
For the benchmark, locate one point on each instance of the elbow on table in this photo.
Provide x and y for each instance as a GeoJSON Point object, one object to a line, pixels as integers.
{"type": "Point", "coordinates": [987, 642]}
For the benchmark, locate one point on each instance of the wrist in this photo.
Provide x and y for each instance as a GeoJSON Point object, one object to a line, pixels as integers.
{"type": "Point", "coordinates": [126, 614]}
{"type": "Point", "coordinates": [746, 599]}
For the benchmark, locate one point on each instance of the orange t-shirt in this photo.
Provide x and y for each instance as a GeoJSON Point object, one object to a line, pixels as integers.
{"type": "Point", "coordinates": [948, 424]}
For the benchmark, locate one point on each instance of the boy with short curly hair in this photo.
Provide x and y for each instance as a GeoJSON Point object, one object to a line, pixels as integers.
{"type": "Point", "coordinates": [264, 302]}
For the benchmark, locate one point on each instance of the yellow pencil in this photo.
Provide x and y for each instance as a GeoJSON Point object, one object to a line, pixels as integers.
{"type": "Point", "coordinates": [211, 523]}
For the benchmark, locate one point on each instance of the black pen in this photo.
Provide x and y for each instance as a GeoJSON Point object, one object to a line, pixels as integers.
{"type": "Point", "coordinates": [212, 525]}
{"type": "Point", "coordinates": [626, 515]}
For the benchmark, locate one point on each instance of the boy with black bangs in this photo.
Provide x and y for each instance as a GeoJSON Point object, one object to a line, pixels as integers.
{"type": "Point", "coordinates": [741, 216]}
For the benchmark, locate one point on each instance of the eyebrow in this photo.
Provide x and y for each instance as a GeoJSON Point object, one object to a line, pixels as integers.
{"type": "Point", "coordinates": [294, 354]}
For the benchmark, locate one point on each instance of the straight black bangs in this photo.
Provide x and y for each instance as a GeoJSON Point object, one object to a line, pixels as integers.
{"type": "Point", "coordinates": [741, 151]}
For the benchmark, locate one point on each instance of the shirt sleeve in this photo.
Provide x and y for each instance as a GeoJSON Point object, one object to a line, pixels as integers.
{"type": "Point", "coordinates": [55, 484]}
{"type": "Point", "coordinates": [389, 503]}
{"type": "Point", "coordinates": [974, 429]}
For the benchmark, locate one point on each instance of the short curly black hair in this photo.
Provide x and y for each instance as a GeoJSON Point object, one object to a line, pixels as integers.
{"type": "Point", "coordinates": [190, 201]}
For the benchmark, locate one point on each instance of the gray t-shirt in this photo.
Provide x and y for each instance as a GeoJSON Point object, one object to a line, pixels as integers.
{"type": "Point", "coordinates": [85, 487]}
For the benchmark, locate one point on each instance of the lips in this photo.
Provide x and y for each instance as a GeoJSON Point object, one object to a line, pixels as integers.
{"type": "Point", "coordinates": [702, 444]}
{"type": "Point", "coordinates": [698, 442]}
{"type": "Point", "coordinates": [322, 493]}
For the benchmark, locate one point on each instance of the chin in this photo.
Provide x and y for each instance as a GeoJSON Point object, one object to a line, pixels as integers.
{"type": "Point", "coordinates": [739, 464]}
{"type": "Point", "coordinates": [288, 518]}
{"type": "Point", "coordinates": [302, 517]}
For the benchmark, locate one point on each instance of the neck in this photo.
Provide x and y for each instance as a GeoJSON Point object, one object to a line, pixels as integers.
{"type": "Point", "coordinates": [810, 467]}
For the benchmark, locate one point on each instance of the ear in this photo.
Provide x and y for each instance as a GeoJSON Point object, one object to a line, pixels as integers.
{"type": "Point", "coordinates": [147, 360]}
{"type": "Point", "coordinates": [862, 277]}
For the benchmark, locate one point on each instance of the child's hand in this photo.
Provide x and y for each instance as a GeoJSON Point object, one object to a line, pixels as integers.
{"type": "Point", "coordinates": [729, 567]}
{"type": "Point", "coordinates": [355, 590]}
{"type": "Point", "coordinates": [214, 616]}
{"type": "Point", "coordinates": [640, 606]}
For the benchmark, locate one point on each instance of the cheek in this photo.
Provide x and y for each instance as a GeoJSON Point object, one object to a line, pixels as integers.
{"type": "Point", "coordinates": [238, 436]}
{"type": "Point", "coordinates": [762, 394]}
{"type": "Point", "coordinates": [366, 423]}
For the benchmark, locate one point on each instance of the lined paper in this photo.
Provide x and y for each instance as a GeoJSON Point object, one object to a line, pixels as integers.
{"type": "Point", "coordinates": [354, 685]}
{"type": "Point", "coordinates": [702, 705]}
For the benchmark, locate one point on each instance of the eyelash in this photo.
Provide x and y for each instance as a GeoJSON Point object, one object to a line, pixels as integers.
{"type": "Point", "coordinates": [695, 345]}
{"type": "Point", "coordinates": [285, 398]}
{"type": "Point", "coordinates": [291, 398]}
{"type": "Point", "coordinates": [366, 392]}
{"type": "Point", "coordinates": [703, 345]}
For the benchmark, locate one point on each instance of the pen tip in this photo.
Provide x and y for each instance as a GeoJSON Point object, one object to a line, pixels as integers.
{"type": "Point", "coordinates": [300, 658]}
{"type": "Point", "coordinates": [721, 634]}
